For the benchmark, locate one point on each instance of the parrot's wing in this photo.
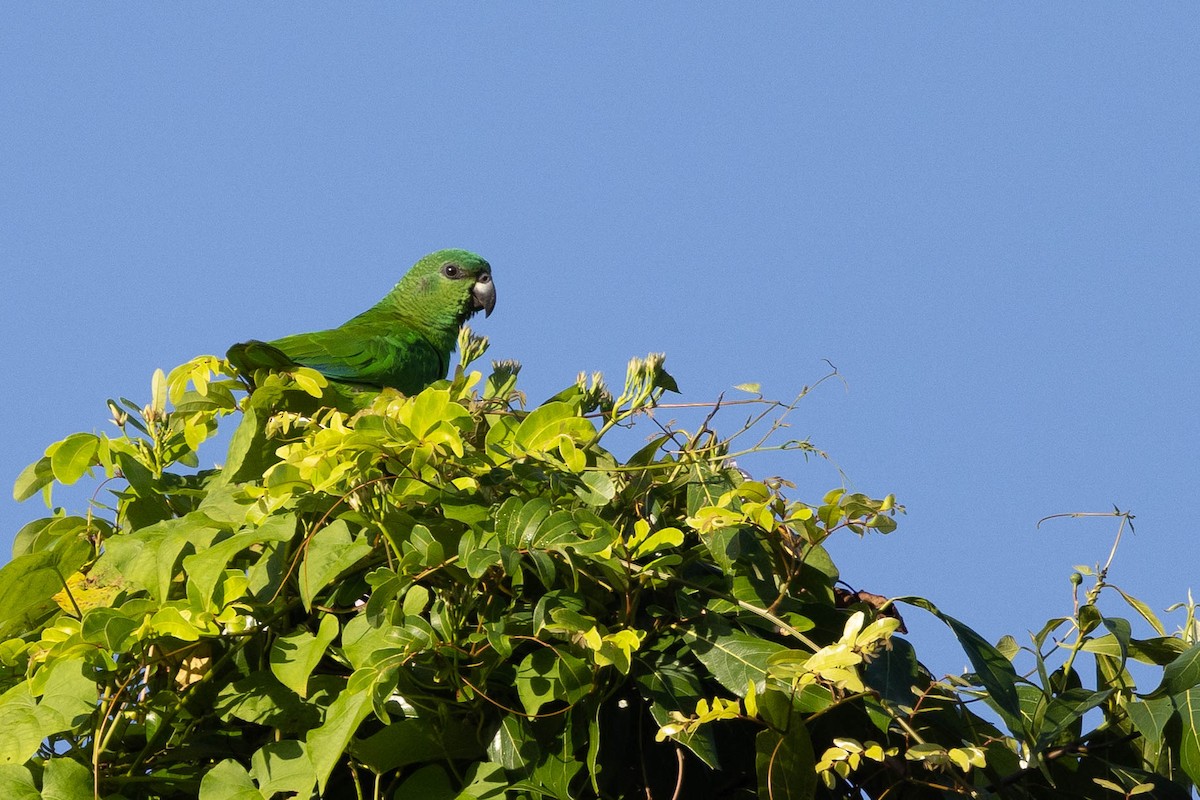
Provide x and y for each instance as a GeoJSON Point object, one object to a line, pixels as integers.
{"type": "Point", "coordinates": [399, 358]}
{"type": "Point", "coordinates": [252, 355]}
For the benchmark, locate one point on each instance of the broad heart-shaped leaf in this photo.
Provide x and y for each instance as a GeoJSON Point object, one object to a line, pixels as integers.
{"type": "Point", "coordinates": [261, 699]}
{"type": "Point", "coordinates": [329, 552]}
{"type": "Point", "coordinates": [294, 657]}
{"type": "Point", "coordinates": [16, 783]}
{"type": "Point", "coordinates": [326, 744]}
{"type": "Point", "coordinates": [229, 781]}
{"type": "Point", "coordinates": [411, 741]}
{"type": "Point", "coordinates": [1180, 675]}
{"type": "Point", "coordinates": [1187, 703]}
{"type": "Point", "coordinates": [284, 766]}
{"type": "Point", "coordinates": [30, 580]}
{"type": "Point", "coordinates": [146, 558]}
{"type": "Point", "coordinates": [21, 729]}
{"type": "Point", "coordinates": [207, 567]}
{"type": "Point", "coordinates": [735, 659]}
{"type": "Point", "coordinates": [67, 779]}
{"type": "Point", "coordinates": [995, 672]}
{"type": "Point", "coordinates": [546, 675]}
{"type": "Point", "coordinates": [68, 695]}
{"type": "Point", "coordinates": [430, 783]}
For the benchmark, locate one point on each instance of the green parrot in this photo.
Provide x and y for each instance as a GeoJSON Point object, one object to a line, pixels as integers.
{"type": "Point", "coordinates": [404, 341]}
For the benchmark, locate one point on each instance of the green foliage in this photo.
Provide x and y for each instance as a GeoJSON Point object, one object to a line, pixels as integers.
{"type": "Point", "coordinates": [447, 596]}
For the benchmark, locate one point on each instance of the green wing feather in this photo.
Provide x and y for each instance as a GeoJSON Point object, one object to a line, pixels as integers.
{"type": "Point", "coordinates": [402, 359]}
{"type": "Point", "coordinates": [404, 341]}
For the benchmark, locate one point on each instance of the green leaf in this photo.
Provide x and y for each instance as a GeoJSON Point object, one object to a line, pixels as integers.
{"type": "Point", "coordinates": [37, 476]}
{"type": "Point", "coordinates": [539, 432]}
{"type": "Point", "coordinates": [228, 781]}
{"type": "Point", "coordinates": [108, 627]}
{"type": "Point", "coordinates": [147, 558]}
{"type": "Point", "coordinates": [68, 695]}
{"type": "Point", "coordinates": [295, 656]}
{"type": "Point", "coordinates": [894, 671]}
{"type": "Point", "coordinates": [1150, 717]}
{"type": "Point", "coordinates": [483, 782]}
{"type": "Point", "coordinates": [1064, 710]}
{"type": "Point", "coordinates": [284, 766]}
{"type": "Point", "coordinates": [674, 688]}
{"type": "Point", "coordinates": [514, 746]}
{"type": "Point", "coordinates": [330, 552]}
{"type": "Point", "coordinates": [659, 540]}
{"type": "Point", "coordinates": [207, 567]}
{"type": "Point", "coordinates": [327, 743]}
{"type": "Point", "coordinates": [29, 581]}
{"type": "Point", "coordinates": [16, 783]}
{"type": "Point", "coordinates": [480, 560]}
{"type": "Point", "coordinates": [1142, 609]}
{"type": "Point", "coordinates": [1187, 703]}
{"type": "Point", "coordinates": [427, 783]}
{"type": "Point", "coordinates": [734, 659]}
{"type": "Point", "coordinates": [21, 729]}
{"type": "Point", "coordinates": [261, 699]}
{"type": "Point", "coordinates": [1180, 675]}
{"type": "Point", "coordinates": [411, 741]}
{"type": "Point", "coordinates": [520, 528]}
{"type": "Point", "coordinates": [995, 672]}
{"type": "Point", "coordinates": [597, 488]}
{"type": "Point", "coordinates": [67, 779]}
{"type": "Point", "coordinates": [784, 759]}
{"type": "Point", "coordinates": [546, 675]}
{"type": "Point", "coordinates": [73, 456]}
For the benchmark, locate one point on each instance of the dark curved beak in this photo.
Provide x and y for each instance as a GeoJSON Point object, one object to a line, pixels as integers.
{"type": "Point", "coordinates": [483, 294]}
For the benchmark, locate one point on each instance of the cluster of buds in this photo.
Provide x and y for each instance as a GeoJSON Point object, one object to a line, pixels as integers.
{"type": "Point", "coordinates": [503, 379]}
{"type": "Point", "coordinates": [645, 381]}
{"type": "Point", "coordinates": [595, 392]}
{"type": "Point", "coordinates": [470, 346]}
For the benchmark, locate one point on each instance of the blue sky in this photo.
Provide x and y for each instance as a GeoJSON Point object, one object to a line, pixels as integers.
{"type": "Point", "coordinates": [986, 217]}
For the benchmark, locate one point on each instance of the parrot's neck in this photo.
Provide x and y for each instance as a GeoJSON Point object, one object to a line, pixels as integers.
{"type": "Point", "coordinates": [439, 328]}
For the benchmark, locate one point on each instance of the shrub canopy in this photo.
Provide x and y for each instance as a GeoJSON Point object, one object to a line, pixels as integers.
{"type": "Point", "coordinates": [449, 596]}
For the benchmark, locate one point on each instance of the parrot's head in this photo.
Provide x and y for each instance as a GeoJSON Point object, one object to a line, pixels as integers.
{"type": "Point", "coordinates": [448, 287]}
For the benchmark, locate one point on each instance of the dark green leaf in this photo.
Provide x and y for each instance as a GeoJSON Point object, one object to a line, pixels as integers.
{"type": "Point", "coordinates": [1180, 675]}
{"type": "Point", "coordinates": [412, 741]}
{"type": "Point", "coordinates": [229, 780]}
{"type": "Point", "coordinates": [1187, 704]}
{"type": "Point", "coordinates": [994, 671]}
{"type": "Point", "coordinates": [735, 659]}
{"type": "Point", "coordinates": [294, 657]}
{"type": "Point", "coordinates": [330, 552]}
{"type": "Point", "coordinates": [284, 766]}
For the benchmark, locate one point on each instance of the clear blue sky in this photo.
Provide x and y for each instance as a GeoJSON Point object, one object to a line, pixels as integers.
{"type": "Point", "coordinates": [987, 217]}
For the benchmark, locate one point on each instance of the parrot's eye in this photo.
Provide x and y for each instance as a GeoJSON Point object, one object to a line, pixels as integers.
{"type": "Point", "coordinates": [452, 271]}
